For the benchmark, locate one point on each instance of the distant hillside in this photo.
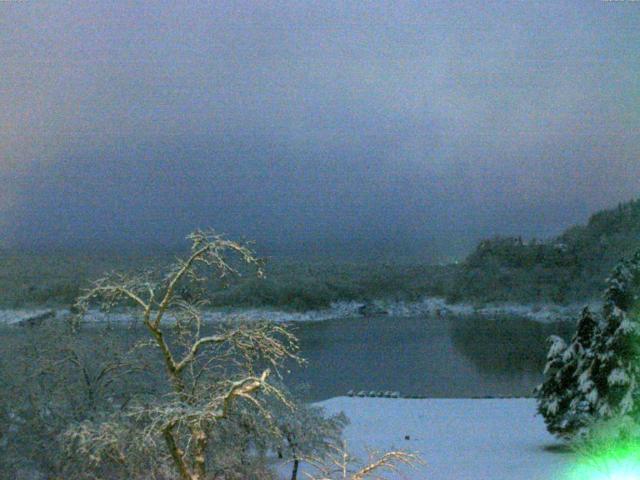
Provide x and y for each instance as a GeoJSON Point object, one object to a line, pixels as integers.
{"type": "Point", "coordinates": [570, 267]}
{"type": "Point", "coordinates": [55, 279]}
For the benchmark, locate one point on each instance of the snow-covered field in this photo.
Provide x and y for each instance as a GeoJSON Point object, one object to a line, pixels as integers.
{"type": "Point", "coordinates": [458, 439]}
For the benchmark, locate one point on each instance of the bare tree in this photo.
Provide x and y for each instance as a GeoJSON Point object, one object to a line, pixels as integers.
{"type": "Point", "coordinates": [340, 465]}
{"type": "Point", "coordinates": [167, 395]}
{"type": "Point", "coordinates": [53, 377]}
{"type": "Point", "coordinates": [208, 368]}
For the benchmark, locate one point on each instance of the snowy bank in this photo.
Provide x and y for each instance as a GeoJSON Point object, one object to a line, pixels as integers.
{"type": "Point", "coordinates": [430, 306]}
{"type": "Point", "coordinates": [458, 439]}
{"type": "Point", "coordinates": [10, 316]}
{"type": "Point", "coordinates": [426, 307]}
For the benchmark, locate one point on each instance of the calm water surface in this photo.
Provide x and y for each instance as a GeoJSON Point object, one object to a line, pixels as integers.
{"type": "Point", "coordinates": [425, 356]}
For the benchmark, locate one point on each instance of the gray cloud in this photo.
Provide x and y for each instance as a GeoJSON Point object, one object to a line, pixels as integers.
{"type": "Point", "coordinates": [309, 124]}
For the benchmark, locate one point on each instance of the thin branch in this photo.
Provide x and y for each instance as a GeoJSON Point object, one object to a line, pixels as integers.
{"type": "Point", "coordinates": [166, 300]}
{"type": "Point", "coordinates": [388, 461]}
{"type": "Point", "coordinates": [242, 388]}
{"type": "Point", "coordinates": [196, 347]}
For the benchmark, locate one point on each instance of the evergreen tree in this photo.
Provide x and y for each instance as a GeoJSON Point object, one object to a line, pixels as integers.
{"type": "Point", "coordinates": [616, 366]}
{"type": "Point", "coordinates": [597, 376]}
{"type": "Point", "coordinates": [565, 398]}
{"type": "Point", "coordinates": [579, 358]}
{"type": "Point", "coordinates": [553, 401]}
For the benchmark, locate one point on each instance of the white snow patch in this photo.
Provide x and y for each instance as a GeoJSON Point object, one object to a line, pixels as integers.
{"type": "Point", "coordinates": [458, 439]}
{"type": "Point", "coordinates": [618, 377]}
{"type": "Point", "coordinates": [558, 346]}
{"type": "Point", "coordinates": [425, 307]}
{"type": "Point", "coordinates": [18, 315]}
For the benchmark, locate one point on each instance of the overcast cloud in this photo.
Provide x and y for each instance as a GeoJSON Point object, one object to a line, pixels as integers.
{"type": "Point", "coordinates": [306, 125]}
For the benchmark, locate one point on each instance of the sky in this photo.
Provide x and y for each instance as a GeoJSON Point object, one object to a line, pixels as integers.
{"type": "Point", "coordinates": [394, 128]}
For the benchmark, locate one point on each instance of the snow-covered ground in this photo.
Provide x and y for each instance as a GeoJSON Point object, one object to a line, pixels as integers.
{"type": "Point", "coordinates": [426, 306]}
{"type": "Point", "coordinates": [458, 439]}
{"type": "Point", "coordinates": [9, 316]}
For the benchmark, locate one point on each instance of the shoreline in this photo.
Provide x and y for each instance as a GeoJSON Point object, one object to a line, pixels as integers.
{"type": "Point", "coordinates": [429, 306]}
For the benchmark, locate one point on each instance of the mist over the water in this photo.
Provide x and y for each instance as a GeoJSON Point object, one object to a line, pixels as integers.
{"type": "Point", "coordinates": [391, 129]}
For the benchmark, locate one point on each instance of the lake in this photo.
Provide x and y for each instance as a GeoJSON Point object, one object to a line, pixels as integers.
{"type": "Point", "coordinates": [424, 356]}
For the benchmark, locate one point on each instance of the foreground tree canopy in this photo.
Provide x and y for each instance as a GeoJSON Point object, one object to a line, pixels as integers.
{"type": "Point", "coordinates": [167, 396]}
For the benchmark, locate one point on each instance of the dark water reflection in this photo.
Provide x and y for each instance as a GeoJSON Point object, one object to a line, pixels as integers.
{"type": "Point", "coordinates": [425, 356]}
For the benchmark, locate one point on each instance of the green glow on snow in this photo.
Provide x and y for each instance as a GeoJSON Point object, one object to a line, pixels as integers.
{"type": "Point", "coordinates": [613, 463]}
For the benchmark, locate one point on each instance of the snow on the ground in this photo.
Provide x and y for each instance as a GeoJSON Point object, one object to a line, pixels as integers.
{"type": "Point", "coordinates": [458, 439]}
{"type": "Point", "coordinates": [9, 316]}
{"type": "Point", "coordinates": [426, 306]}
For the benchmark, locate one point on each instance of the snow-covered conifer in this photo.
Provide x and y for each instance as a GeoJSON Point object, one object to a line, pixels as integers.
{"type": "Point", "coordinates": [597, 376]}
{"type": "Point", "coordinates": [566, 398]}
{"type": "Point", "coordinates": [553, 398]}
{"type": "Point", "coordinates": [616, 365]}
{"type": "Point", "coordinates": [578, 358]}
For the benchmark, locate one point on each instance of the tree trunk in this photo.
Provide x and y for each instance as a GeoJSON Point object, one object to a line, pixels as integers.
{"type": "Point", "coordinates": [296, 462]}
{"type": "Point", "coordinates": [199, 451]}
{"type": "Point", "coordinates": [294, 472]}
{"type": "Point", "coordinates": [177, 455]}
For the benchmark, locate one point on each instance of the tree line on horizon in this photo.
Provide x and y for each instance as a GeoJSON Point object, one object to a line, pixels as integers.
{"type": "Point", "coordinates": [569, 268]}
